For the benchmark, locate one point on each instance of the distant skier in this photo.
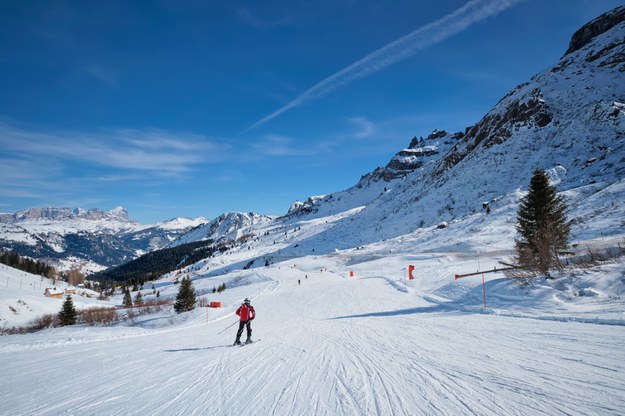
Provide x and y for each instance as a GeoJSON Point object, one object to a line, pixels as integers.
{"type": "Point", "coordinates": [246, 316]}
{"type": "Point", "coordinates": [299, 282]}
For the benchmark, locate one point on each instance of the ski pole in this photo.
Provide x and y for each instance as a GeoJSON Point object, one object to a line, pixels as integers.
{"type": "Point", "coordinates": [227, 327]}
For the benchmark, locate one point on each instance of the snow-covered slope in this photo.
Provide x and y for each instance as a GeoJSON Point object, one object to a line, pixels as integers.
{"type": "Point", "coordinates": [341, 328]}
{"type": "Point", "coordinates": [329, 344]}
{"type": "Point", "coordinates": [568, 120]}
{"type": "Point", "coordinates": [22, 298]}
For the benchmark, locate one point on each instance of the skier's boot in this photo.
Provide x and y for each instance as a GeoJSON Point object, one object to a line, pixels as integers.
{"type": "Point", "coordinates": [248, 341]}
{"type": "Point", "coordinates": [237, 342]}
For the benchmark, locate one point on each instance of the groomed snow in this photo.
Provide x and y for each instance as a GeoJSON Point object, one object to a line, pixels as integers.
{"type": "Point", "coordinates": [334, 345]}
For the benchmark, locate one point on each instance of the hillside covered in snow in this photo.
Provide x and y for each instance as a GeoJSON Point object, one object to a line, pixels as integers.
{"type": "Point", "coordinates": [568, 120]}
{"type": "Point", "coordinates": [343, 326]}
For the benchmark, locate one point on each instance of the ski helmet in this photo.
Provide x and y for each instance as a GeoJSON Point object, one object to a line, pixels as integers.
{"type": "Point", "coordinates": [246, 301]}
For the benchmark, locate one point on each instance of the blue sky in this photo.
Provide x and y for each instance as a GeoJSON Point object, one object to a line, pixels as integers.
{"type": "Point", "coordinates": [190, 108]}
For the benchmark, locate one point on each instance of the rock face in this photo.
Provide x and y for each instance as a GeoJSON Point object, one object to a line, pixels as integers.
{"type": "Point", "coordinates": [524, 111]}
{"type": "Point", "coordinates": [419, 153]}
{"type": "Point", "coordinates": [309, 206]}
{"type": "Point", "coordinates": [595, 28]}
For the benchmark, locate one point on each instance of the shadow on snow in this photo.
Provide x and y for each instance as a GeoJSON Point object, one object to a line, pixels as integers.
{"type": "Point", "coordinates": [409, 311]}
{"type": "Point", "coordinates": [197, 349]}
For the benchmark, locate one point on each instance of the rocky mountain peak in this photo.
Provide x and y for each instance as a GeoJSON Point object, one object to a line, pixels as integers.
{"type": "Point", "coordinates": [63, 214]}
{"type": "Point", "coordinates": [595, 28]}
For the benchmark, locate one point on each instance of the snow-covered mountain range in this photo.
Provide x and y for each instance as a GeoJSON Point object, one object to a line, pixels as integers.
{"type": "Point", "coordinates": [89, 239]}
{"type": "Point", "coordinates": [568, 119]}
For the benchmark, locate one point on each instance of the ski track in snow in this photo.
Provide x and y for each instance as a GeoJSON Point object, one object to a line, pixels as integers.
{"type": "Point", "coordinates": [330, 346]}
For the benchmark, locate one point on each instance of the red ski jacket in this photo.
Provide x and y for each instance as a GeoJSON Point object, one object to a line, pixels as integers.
{"type": "Point", "coordinates": [246, 312]}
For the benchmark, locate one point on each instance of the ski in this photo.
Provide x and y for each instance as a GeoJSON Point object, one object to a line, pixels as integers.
{"type": "Point", "coordinates": [245, 343]}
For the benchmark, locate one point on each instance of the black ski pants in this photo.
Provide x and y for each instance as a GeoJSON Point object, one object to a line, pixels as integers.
{"type": "Point", "coordinates": [242, 324]}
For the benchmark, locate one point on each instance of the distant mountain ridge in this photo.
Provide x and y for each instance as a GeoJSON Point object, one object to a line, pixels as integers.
{"type": "Point", "coordinates": [228, 226]}
{"type": "Point", "coordinates": [57, 214]}
{"type": "Point", "coordinates": [91, 239]}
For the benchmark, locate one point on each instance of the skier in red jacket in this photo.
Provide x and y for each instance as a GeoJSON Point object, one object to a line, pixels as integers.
{"type": "Point", "coordinates": [246, 316]}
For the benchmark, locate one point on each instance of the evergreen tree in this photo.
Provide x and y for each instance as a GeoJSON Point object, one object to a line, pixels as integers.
{"type": "Point", "coordinates": [127, 302]}
{"type": "Point", "coordinates": [185, 300]}
{"type": "Point", "coordinates": [139, 299]}
{"type": "Point", "coordinates": [68, 314]}
{"type": "Point", "coordinates": [542, 225]}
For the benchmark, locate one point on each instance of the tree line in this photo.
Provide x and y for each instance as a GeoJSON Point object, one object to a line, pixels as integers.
{"type": "Point", "coordinates": [153, 265]}
{"type": "Point", "coordinates": [25, 264]}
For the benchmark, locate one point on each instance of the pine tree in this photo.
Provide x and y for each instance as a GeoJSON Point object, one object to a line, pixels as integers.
{"type": "Point", "coordinates": [542, 225]}
{"type": "Point", "coordinates": [139, 299]}
{"type": "Point", "coordinates": [68, 314]}
{"type": "Point", "coordinates": [185, 300]}
{"type": "Point", "coordinates": [127, 302]}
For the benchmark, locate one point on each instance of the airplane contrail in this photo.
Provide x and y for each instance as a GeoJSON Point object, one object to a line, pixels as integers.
{"type": "Point", "coordinates": [398, 50]}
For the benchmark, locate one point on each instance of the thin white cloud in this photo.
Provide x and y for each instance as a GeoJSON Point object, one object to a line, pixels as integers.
{"type": "Point", "coordinates": [13, 192]}
{"type": "Point", "coordinates": [158, 152]}
{"type": "Point", "coordinates": [366, 128]}
{"type": "Point", "coordinates": [19, 170]}
{"type": "Point", "coordinates": [277, 145]}
{"type": "Point", "coordinates": [472, 12]}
